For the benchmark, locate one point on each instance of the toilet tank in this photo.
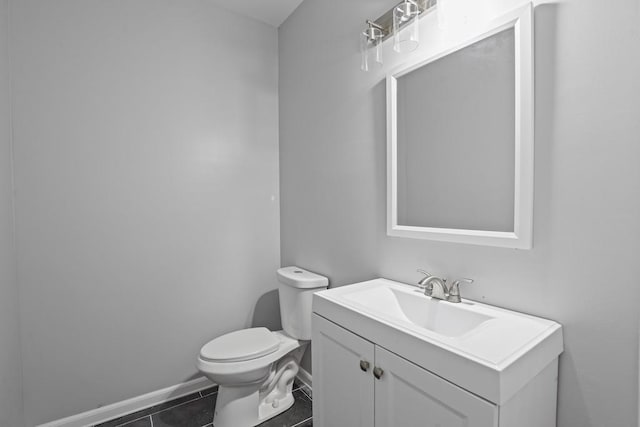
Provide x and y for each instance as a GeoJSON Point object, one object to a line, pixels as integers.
{"type": "Point", "coordinates": [296, 290]}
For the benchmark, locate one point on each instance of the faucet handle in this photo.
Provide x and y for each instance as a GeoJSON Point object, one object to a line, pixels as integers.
{"type": "Point", "coordinates": [426, 273]}
{"type": "Point", "coordinates": [422, 283]}
{"type": "Point", "coordinates": [454, 289]}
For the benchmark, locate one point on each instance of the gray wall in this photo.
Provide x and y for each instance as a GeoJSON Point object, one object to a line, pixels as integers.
{"type": "Point", "coordinates": [146, 152]}
{"type": "Point", "coordinates": [10, 370]}
{"type": "Point", "coordinates": [583, 270]}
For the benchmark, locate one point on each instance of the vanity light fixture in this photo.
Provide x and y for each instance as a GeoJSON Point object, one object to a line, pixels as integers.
{"type": "Point", "coordinates": [401, 22]}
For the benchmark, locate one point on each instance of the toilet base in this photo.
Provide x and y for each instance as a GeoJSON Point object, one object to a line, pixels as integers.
{"type": "Point", "coordinates": [248, 405]}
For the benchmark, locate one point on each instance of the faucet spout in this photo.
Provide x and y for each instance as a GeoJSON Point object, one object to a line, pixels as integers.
{"type": "Point", "coordinates": [435, 287]}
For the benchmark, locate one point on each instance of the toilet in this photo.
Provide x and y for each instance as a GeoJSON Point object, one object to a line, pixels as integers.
{"type": "Point", "coordinates": [255, 368]}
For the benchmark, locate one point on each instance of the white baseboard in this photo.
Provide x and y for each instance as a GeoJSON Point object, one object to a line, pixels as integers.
{"type": "Point", "coordinates": [118, 409]}
{"type": "Point", "coordinates": [305, 377]}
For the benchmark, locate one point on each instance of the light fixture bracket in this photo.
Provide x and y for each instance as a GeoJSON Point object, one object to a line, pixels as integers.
{"type": "Point", "coordinates": [373, 32]}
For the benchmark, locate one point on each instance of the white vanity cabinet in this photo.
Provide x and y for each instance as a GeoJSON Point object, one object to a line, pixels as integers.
{"type": "Point", "coordinates": [347, 393]}
{"type": "Point", "coordinates": [386, 355]}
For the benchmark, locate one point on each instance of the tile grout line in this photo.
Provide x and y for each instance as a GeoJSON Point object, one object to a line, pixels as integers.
{"type": "Point", "coordinates": [179, 404]}
{"type": "Point", "coordinates": [306, 394]}
{"type": "Point", "coordinates": [300, 423]}
{"type": "Point", "coordinates": [151, 419]}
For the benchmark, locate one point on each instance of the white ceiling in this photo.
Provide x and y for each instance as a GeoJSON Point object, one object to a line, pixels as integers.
{"type": "Point", "coordinates": [272, 12]}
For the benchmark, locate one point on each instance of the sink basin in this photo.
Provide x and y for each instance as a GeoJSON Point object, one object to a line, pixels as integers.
{"type": "Point", "coordinates": [487, 350]}
{"type": "Point", "coordinates": [413, 307]}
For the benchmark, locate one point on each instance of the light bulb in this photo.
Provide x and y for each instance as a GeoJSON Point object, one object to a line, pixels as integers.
{"type": "Point", "coordinates": [406, 32]}
{"type": "Point", "coordinates": [371, 47]}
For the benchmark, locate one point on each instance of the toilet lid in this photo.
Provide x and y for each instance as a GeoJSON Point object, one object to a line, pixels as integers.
{"type": "Point", "coordinates": [246, 344]}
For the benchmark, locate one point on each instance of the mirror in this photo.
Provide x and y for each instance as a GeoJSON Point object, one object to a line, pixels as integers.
{"type": "Point", "coordinates": [460, 140]}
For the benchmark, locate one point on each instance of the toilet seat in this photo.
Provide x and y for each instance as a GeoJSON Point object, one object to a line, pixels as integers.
{"type": "Point", "coordinates": [249, 370]}
{"type": "Point", "coordinates": [240, 346]}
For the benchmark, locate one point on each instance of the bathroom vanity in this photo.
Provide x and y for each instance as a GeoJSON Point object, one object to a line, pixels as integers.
{"type": "Point", "coordinates": [386, 355]}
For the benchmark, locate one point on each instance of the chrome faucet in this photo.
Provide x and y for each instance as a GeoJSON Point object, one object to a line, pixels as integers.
{"type": "Point", "coordinates": [436, 287]}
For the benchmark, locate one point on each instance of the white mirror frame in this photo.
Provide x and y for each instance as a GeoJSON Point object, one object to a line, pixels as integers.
{"type": "Point", "coordinates": [521, 238]}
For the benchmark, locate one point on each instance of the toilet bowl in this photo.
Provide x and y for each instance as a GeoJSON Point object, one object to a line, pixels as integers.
{"type": "Point", "coordinates": [255, 374]}
{"type": "Point", "coordinates": [255, 368]}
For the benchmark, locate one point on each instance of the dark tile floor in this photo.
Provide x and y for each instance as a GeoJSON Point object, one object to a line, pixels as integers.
{"type": "Point", "coordinates": [196, 410]}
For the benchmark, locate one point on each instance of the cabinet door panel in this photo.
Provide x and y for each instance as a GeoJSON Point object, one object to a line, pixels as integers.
{"type": "Point", "coordinates": [408, 395]}
{"type": "Point", "coordinates": [342, 391]}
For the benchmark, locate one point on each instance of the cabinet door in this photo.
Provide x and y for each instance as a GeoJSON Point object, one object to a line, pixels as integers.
{"type": "Point", "coordinates": [408, 395]}
{"type": "Point", "coordinates": [342, 388]}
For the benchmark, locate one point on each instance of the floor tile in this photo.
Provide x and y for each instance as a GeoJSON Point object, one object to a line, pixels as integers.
{"type": "Point", "coordinates": [192, 414]}
{"type": "Point", "coordinates": [208, 391]}
{"type": "Point", "coordinates": [143, 422]}
{"type": "Point", "coordinates": [157, 408]}
{"type": "Point", "coordinates": [196, 411]}
{"type": "Point", "coordinates": [300, 411]}
{"type": "Point", "coordinates": [307, 390]}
